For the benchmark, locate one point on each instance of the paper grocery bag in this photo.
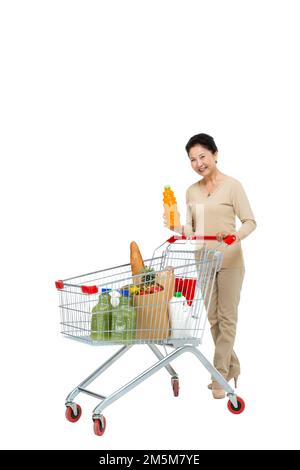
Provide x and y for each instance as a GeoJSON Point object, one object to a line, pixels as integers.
{"type": "Point", "coordinates": [152, 317]}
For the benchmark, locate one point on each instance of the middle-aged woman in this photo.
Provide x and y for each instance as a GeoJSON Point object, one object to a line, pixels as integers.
{"type": "Point", "coordinates": [220, 198]}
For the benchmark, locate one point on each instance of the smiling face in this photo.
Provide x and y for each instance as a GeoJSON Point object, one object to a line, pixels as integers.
{"type": "Point", "coordinates": [203, 160]}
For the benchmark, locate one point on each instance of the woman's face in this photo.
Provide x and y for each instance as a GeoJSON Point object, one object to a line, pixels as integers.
{"type": "Point", "coordinates": [202, 160]}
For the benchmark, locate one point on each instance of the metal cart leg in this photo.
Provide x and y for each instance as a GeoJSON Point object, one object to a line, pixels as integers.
{"type": "Point", "coordinates": [81, 387]}
{"type": "Point", "coordinates": [160, 356]}
{"type": "Point", "coordinates": [156, 367]}
{"type": "Point", "coordinates": [169, 368]}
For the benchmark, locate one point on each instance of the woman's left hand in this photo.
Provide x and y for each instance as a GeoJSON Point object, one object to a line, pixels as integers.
{"type": "Point", "coordinates": [221, 235]}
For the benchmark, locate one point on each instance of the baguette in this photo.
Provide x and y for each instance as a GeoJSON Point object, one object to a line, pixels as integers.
{"type": "Point", "coordinates": [136, 260]}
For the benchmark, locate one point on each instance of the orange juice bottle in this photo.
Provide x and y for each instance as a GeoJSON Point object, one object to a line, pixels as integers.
{"type": "Point", "coordinates": [170, 206]}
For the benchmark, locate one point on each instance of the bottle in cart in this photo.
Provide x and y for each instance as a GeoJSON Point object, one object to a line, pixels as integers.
{"type": "Point", "coordinates": [179, 316]}
{"type": "Point", "coordinates": [123, 319]}
{"type": "Point", "coordinates": [170, 207]}
{"type": "Point", "coordinates": [101, 317]}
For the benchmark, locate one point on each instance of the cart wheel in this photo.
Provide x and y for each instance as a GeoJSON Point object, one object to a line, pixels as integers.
{"type": "Point", "coordinates": [240, 408]}
{"type": "Point", "coordinates": [98, 428]}
{"type": "Point", "coordinates": [70, 415]}
{"type": "Point", "coordinates": [175, 386]}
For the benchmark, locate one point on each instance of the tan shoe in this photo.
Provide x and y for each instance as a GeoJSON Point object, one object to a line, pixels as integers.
{"type": "Point", "coordinates": [235, 378]}
{"type": "Point", "coordinates": [230, 377]}
{"type": "Point", "coordinates": [217, 391]}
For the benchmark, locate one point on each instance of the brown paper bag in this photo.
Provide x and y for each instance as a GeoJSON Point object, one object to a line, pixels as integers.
{"type": "Point", "coordinates": [152, 318]}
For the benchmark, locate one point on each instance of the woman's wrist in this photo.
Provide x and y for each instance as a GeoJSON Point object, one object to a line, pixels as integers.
{"type": "Point", "coordinates": [179, 229]}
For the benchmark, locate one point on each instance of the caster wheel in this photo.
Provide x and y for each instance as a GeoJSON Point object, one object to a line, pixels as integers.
{"type": "Point", "coordinates": [70, 415]}
{"type": "Point", "coordinates": [98, 428]}
{"type": "Point", "coordinates": [175, 386]}
{"type": "Point", "coordinates": [240, 408]}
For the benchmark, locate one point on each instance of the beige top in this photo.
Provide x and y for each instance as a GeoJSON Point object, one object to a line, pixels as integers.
{"type": "Point", "coordinates": [208, 215]}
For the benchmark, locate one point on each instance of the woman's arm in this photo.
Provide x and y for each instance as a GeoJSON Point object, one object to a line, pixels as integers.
{"type": "Point", "coordinates": [243, 211]}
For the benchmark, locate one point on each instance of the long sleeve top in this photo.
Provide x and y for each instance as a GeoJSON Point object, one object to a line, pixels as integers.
{"type": "Point", "coordinates": [208, 215]}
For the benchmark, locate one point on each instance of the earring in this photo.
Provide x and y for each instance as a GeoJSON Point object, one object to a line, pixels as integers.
{"type": "Point", "coordinates": [216, 161]}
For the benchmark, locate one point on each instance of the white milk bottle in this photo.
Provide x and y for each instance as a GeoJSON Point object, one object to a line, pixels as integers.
{"type": "Point", "coordinates": [178, 315]}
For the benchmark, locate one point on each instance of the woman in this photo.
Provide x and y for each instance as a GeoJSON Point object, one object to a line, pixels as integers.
{"type": "Point", "coordinates": [212, 206]}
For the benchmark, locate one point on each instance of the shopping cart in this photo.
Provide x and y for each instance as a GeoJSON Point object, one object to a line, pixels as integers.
{"type": "Point", "coordinates": [112, 306]}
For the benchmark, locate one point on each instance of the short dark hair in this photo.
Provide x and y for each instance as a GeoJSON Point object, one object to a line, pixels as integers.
{"type": "Point", "coordinates": [204, 140]}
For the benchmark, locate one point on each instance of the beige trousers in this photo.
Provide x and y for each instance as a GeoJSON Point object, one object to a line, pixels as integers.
{"type": "Point", "coordinates": [222, 316]}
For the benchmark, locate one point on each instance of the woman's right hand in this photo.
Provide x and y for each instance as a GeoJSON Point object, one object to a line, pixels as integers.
{"type": "Point", "coordinates": [178, 229]}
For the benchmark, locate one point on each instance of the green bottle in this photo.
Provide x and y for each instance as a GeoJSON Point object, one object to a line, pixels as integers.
{"type": "Point", "coordinates": [101, 317]}
{"type": "Point", "coordinates": [123, 320]}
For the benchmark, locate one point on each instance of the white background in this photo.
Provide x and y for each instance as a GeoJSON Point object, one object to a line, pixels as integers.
{"type": "Point", "coordinates": [98, 100]}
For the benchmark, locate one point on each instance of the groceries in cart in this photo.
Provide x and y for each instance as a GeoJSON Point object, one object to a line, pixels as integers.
{"type": "Point", "coordinates": [137, 310]}
{"type": "Point", "coordinates": [136, 259]}
{"type": "Point", "coordinates": [101, 322]}
{"type": "Point", "coordinates": [155, 306]}
{"type": "Point", "coordinates": [113, 318]}
{"type": "Point", "coordinates": [152, 308]}
{"type": "Point", "coordinates": [178, 315]}
{"type": "Point", "coordinates": [183, 323]}
{"type": "Point", "coordinates": [123, 319]}
{"type": "Point", "coordinates": [187, 286]}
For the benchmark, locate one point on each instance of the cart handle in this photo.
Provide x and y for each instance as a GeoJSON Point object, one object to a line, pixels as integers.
{"type": "Point", "coordinates": [228, 240]}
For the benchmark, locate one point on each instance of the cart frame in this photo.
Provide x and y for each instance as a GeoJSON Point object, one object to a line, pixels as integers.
{"type": "Point", "coordinates": [73, 411]}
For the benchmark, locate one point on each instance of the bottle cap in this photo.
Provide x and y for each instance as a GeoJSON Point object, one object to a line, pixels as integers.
{"type": "Point", "coordinates": [115, 293]}
{"type": "Point", "coordinates": [167, 186]}
{"type": "Point", "coordinates": [178, 294]}
{"type": "Point", "coordinates": [104, 290]}
{"type": "Point", "coordinates": [115, 298]}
